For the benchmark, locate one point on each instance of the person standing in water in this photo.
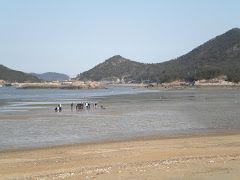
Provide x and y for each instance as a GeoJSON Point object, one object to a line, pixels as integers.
{"type": "Point", "coordinates": [95, 105]}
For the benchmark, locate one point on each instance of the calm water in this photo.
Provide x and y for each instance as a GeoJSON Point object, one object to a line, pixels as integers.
{"type": "Point", "coordinates": [28, 119]}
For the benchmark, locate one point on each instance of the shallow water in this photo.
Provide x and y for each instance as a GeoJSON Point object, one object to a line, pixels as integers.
{"type": "Point", "coordinates": [28, 118]}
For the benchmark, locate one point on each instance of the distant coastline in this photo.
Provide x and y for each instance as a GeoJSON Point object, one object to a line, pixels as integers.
{"type": "Point", "coordinates": [212, 84]}
{"type": "Point", "coordinates": [136, 86]}
{"type": "Point", "coordinates": [69, 87]}
{"type": "Point", "coordinates": [76, 85]}
{"type": "Point", "coordinates": [196, 87]}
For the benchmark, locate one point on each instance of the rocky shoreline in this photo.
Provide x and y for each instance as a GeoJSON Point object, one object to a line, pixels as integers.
{"type": "Point", "coordinates": [201, 84]}
{"type": "Point", "coordinates": [175, 85]}
{"type": "Point", "coordinates": [69, 87]}
{"type": "Point", "coordinates": [194, 87]}
{"type": "Point", "coordinates": [76, 85]}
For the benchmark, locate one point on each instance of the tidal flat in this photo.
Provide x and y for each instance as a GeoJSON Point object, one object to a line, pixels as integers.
{"type": "Point", "coordinates": [186, 134]}
{"type": "Point", "coordinates": [28, 119]}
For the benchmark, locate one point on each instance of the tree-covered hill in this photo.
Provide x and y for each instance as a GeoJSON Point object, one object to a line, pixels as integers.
{"type": "Point", "coordinates": [115, 67]}
{"type": "Point", "coordinates": [16, 76]}
{"type": "Point", "coordinates": [218, 56]}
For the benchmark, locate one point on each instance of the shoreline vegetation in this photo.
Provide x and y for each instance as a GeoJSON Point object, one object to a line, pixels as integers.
{"type": "Point", "coordinates": [186, 156]}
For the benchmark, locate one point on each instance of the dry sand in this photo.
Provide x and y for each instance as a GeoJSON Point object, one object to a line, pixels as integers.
{"type": "Point", "coordinates": [196, 156]}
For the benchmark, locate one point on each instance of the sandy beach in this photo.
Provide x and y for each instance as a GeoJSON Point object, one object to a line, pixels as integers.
{"type": "Point", "coordinates": [191, 156]}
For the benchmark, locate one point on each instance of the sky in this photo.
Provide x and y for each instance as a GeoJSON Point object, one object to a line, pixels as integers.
{"type": "Point", "coordinates": [73, 36]}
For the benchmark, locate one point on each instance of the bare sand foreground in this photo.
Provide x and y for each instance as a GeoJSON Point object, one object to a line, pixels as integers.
{"type": "Point", "coordinates": [196, 156]}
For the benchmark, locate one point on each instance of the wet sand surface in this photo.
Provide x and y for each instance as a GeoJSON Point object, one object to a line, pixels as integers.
{"type": "Point", "coordinates": [160, 113]}
{"type": "Point", "coordinates": [192, 156]}
{"type": "Point", "coordinates": [174, 135]}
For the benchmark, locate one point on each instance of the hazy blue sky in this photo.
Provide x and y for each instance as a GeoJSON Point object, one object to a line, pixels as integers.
{"type": "Point", "coordinates": [72, 36]}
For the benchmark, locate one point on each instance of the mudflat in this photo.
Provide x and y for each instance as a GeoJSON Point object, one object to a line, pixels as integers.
{"type": "Point", "coordinates": [188, 156]}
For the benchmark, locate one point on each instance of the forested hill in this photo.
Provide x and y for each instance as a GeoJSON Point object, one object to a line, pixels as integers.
{"type": "Point", "coordinates": [52, 76]}
{"type": "Point", "coordinates": [218, 56]}
{"type": "Point", "coordinates": [10, 75]}
{"type": "Point", "coordinates": [115, 67]}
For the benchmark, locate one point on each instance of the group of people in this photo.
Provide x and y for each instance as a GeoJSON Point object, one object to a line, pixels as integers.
{"type": "Point", "coordinates": [58, 108]}
{"type": "Point", "coordinates": [84, 105]}
{"type": "Point", "coordinates": [81, 105]}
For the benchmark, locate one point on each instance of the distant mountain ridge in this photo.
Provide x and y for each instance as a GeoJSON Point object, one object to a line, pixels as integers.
{"type": "Point", "coordinates": [218, 56]}
{"type": "Point", "coordinates": [10, 75]}
{"type": "Point", "coordinates": [52, 76]}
